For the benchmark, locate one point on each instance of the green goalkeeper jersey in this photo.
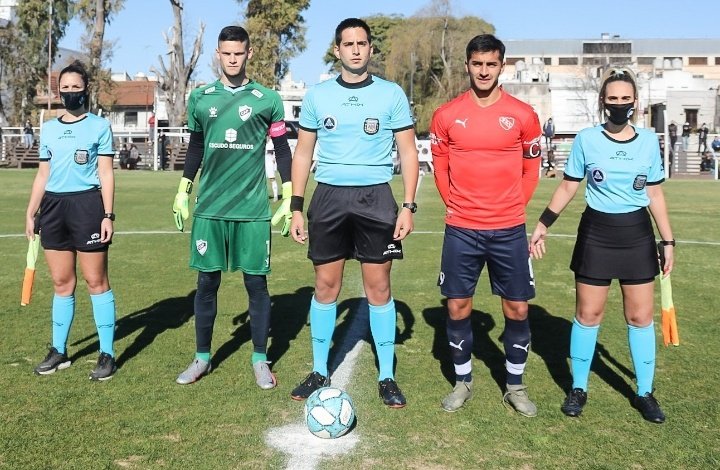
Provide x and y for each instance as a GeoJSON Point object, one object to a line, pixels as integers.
{"type": "Point", "coordinates": [235, 124]}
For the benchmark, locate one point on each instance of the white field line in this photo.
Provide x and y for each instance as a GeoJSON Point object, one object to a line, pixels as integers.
{"type": "Point", "coordinates": [415, 232]}
{"type": "Point", "coordinates": [305, 450]}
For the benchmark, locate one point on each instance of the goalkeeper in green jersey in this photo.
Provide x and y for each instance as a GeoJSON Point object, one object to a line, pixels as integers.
{"type": "Point", "coordinates": [229, 121]}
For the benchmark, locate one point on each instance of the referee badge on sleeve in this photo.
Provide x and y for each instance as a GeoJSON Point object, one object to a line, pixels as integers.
{"type": "Point", "coordinates": [639, 182]}
{"type": "Point", "coordinates": [81, 157]}
{"type": "Point", "coordinates": [371, 126]}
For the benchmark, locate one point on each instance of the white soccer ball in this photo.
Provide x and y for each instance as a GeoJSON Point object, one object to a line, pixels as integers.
{"type": "Point", "coordinates": [329, 412]}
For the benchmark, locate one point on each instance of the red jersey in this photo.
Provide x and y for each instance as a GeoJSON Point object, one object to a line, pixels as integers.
{"type": "Point", "coordinates": [486, 160]}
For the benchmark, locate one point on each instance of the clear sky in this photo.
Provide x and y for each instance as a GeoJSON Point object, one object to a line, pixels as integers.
{"type": "Point", "coordinates": [137, 30]}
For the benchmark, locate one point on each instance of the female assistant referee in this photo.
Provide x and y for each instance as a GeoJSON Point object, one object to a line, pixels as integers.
{"type": "Point", "coordinates": [73, 195]}
{"type": "Point", "coordinates": [615, 237]}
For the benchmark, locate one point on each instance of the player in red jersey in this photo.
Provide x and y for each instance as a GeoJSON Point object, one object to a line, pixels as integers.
{"type": "Point", "coordinates": [486, 149]}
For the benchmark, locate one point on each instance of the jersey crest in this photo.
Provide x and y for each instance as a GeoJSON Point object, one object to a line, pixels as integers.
{"type": "Point", "coordinates": [244, 111]}
{"type": "Point", "coordinates": [506, 123]}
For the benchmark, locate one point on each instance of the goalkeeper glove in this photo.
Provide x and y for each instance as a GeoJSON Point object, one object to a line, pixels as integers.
{"type": "Point", "coordinates": [180, 206]}
{"type": "Point", "coordinates": [283, 211]}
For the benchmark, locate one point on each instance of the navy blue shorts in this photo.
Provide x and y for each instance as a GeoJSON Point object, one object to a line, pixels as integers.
{"type": "Point", "coordinates": [71, 221]}
{"type": "Point", "coordinates": [347, 222]}
{"type": "Point", "coordinates": [465, 252]}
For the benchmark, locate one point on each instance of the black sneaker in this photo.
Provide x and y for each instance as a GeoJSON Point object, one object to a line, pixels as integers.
{"type": "Point", "coordinates": [391, 394]}
{"type": "Point", "coordinates": [650, 408]}
{"type": "Point", "coordinates": [574, 402]}
{"type": "Point", "coordinates": [105, 367]}
{"type": "Point", "coordinates": [311, 383]}
{"type": "Point", "coordinates": [54, 361]}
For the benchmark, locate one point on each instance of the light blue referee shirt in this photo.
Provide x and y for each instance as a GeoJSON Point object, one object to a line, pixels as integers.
{"type": "Point", "coordinates": [617, 172]}
{"type": "Point", "coordinates": [355, 125]}
{"type": "Point", "coordinates": [72, 150]}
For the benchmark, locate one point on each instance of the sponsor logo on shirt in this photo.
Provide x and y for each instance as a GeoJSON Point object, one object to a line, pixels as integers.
{"type": "Point", "coordinates": [353, 101]}
{"type": "Point", "coordinates": [598, 175]}
{"type": "Point", "coordinates": [244, 111]}
{"type": "Point", "coordinates": [213, 112]}
{"type": "Point", "coordinates": [462, 122]}
{"type": "Point", "coordinates": [81, 157]}
{"type": "Point", "coordinates": [371, 126]}
{"type": "Point", "coordinates": [209, 90]}
{"type": "Point", "coordinates": [201, 246]}
{"type": "Point", "coordinates": [639, 182]}
{"type": "Point", "coordinates": [230, 135]}
{"type": "Point", "coordinates": [329, 123]}
{"type": "Point", "coordinates": [434, 139]}
{"type": "Point", "coordinates": [506, 123]}
{"type": "Point", "coordinates": [257, 93]}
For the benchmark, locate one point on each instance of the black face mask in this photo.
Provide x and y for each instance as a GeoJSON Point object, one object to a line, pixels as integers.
{"type": "Point", "coordinates": [619, 114]}
{"type": "Point", "coordinates": [73, 100]}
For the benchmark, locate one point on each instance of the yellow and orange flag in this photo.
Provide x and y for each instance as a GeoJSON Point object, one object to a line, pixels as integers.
{"type": "Point", "coordinates": [667, 315]}
{"type": "Point", "coordinates": [32, 255]}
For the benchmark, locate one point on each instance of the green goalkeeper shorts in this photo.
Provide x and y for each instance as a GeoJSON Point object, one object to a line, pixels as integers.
{"type": "Point", "coordinates": [216, 245]}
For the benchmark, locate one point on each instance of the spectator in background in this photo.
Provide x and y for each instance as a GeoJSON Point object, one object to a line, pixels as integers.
{"type": "Point", "coordinates": [124, 154]}
{"type": "Point", "coordinates": [672, 131]}
{"type": "Point", "coordinates": [550, 162]}
{"type": "Point", "coordinates": [715, 146]}
{"type": "Point", "coordinates": [28, 135]}
{"type": "Point", "coordinates": [707, 163]}
{"type": "Point", "coordinates": [549, 133]}
{"type": "Point", "coordinates": [702, 138]}
{"type": "Point", "coordinates": [134, 157]}
{"type": "Point", "coordinates": [686, 136]}
{"type": "Point", "coordinates": [162, 149]}
{"type": "Point", "coordinates": [151, 127]}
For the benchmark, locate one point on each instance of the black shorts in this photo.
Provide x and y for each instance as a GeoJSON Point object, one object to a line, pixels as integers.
{"type": "Point", "coordinates": [71, 221]}
{"type": "Point", "coordinates": [357, 222]}
{"type": "Point", "coordinates": [615, 246]}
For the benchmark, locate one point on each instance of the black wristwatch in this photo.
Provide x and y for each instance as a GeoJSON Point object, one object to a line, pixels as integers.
{"type": "Point", "coordinates": [109, 215]}
{"type": "Point", "coordinates": [410, 205]}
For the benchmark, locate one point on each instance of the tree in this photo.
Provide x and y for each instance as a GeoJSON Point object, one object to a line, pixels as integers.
{"type": "Point", "coordinates": [427, 57]}
{"type": "Point", "coordinates": [277, 34]}
{"type": "Point", "coordinates": [96, 14]}
{"type": "Point", "coordinates": [24, 55]}
{"type": "Point", "coordinates": [175, 77]}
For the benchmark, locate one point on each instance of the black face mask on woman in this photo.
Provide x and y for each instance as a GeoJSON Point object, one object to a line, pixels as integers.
{"type": "Point", "coordinates": [73, 100]}
{"type": "Point", "coordinates": [619, 114]}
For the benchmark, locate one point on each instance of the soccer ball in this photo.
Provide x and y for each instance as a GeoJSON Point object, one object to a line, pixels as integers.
{"type": "Point", "coordinates": [329, 412]}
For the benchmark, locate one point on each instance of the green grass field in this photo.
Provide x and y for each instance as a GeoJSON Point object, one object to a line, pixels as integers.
{"type": "Point", "coordinates": [142, 419]}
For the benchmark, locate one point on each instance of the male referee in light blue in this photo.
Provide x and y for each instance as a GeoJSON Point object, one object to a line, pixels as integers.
{"type": "Point", "coordinates": [353, 214]}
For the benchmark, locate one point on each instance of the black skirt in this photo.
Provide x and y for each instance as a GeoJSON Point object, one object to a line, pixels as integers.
{"type": "Point", "coordinates": [615, 246]}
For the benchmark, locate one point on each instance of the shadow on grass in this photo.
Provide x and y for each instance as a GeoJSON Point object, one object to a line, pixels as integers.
{"type": "Point", "coordinates": [151, 321]}
{"type": "Point", "coordinates": [551, 341]}
{"type": "Point", "coordinates": [484, 348]}
{"type": "Point", "coordinates": [288, 316]}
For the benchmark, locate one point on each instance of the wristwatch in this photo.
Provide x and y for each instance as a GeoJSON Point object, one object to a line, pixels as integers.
{"type": "Point", "coordinates": [410, 205]}
{"type": "Point", "coordinates": [109, 215]}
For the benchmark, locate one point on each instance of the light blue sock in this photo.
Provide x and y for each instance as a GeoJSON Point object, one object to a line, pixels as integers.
{"type": "Point", "coordinates": [104, 313]}
{"type": "Point", "coordinates": [382, 326]}
{"type": "Point", "coordinates": [642, 350]}
{"type": "Point", "coordinates": [63, 311]}
{"type": "Point", "coordinates": [322, 326]}
{"type": "Point", "coordinates": [582, 348]}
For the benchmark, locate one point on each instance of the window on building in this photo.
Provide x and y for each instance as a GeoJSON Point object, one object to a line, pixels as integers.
{"type": "Point", "coordinates": [607, 48]}
{"type": "Point", "coordinates": [296, 112]}
{"type": "Point", "coordinates": [547, 60]}
{"type": "Point", "coordinates": [131, 118]}
{"type": "Point", "coordinates": [568, 61]}
{"type": "Point", "coordinates": [697, 61]}
{"type": "Point", "coordinates": [594, 60]}
{"type": "Point", "coordinates": [645, 60]}
{"type": "Point", "coordinates": [717, 60]}
{"type": "Point", "coordinates": [512, 60]}
{"type": "Point", "coordinates": [621, 60]}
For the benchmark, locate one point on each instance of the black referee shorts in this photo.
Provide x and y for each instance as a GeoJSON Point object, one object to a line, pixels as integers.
{"type": "Point", "coordinates": [347, 222]}
{"type": "Point", "coordinates": [71, 221]}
